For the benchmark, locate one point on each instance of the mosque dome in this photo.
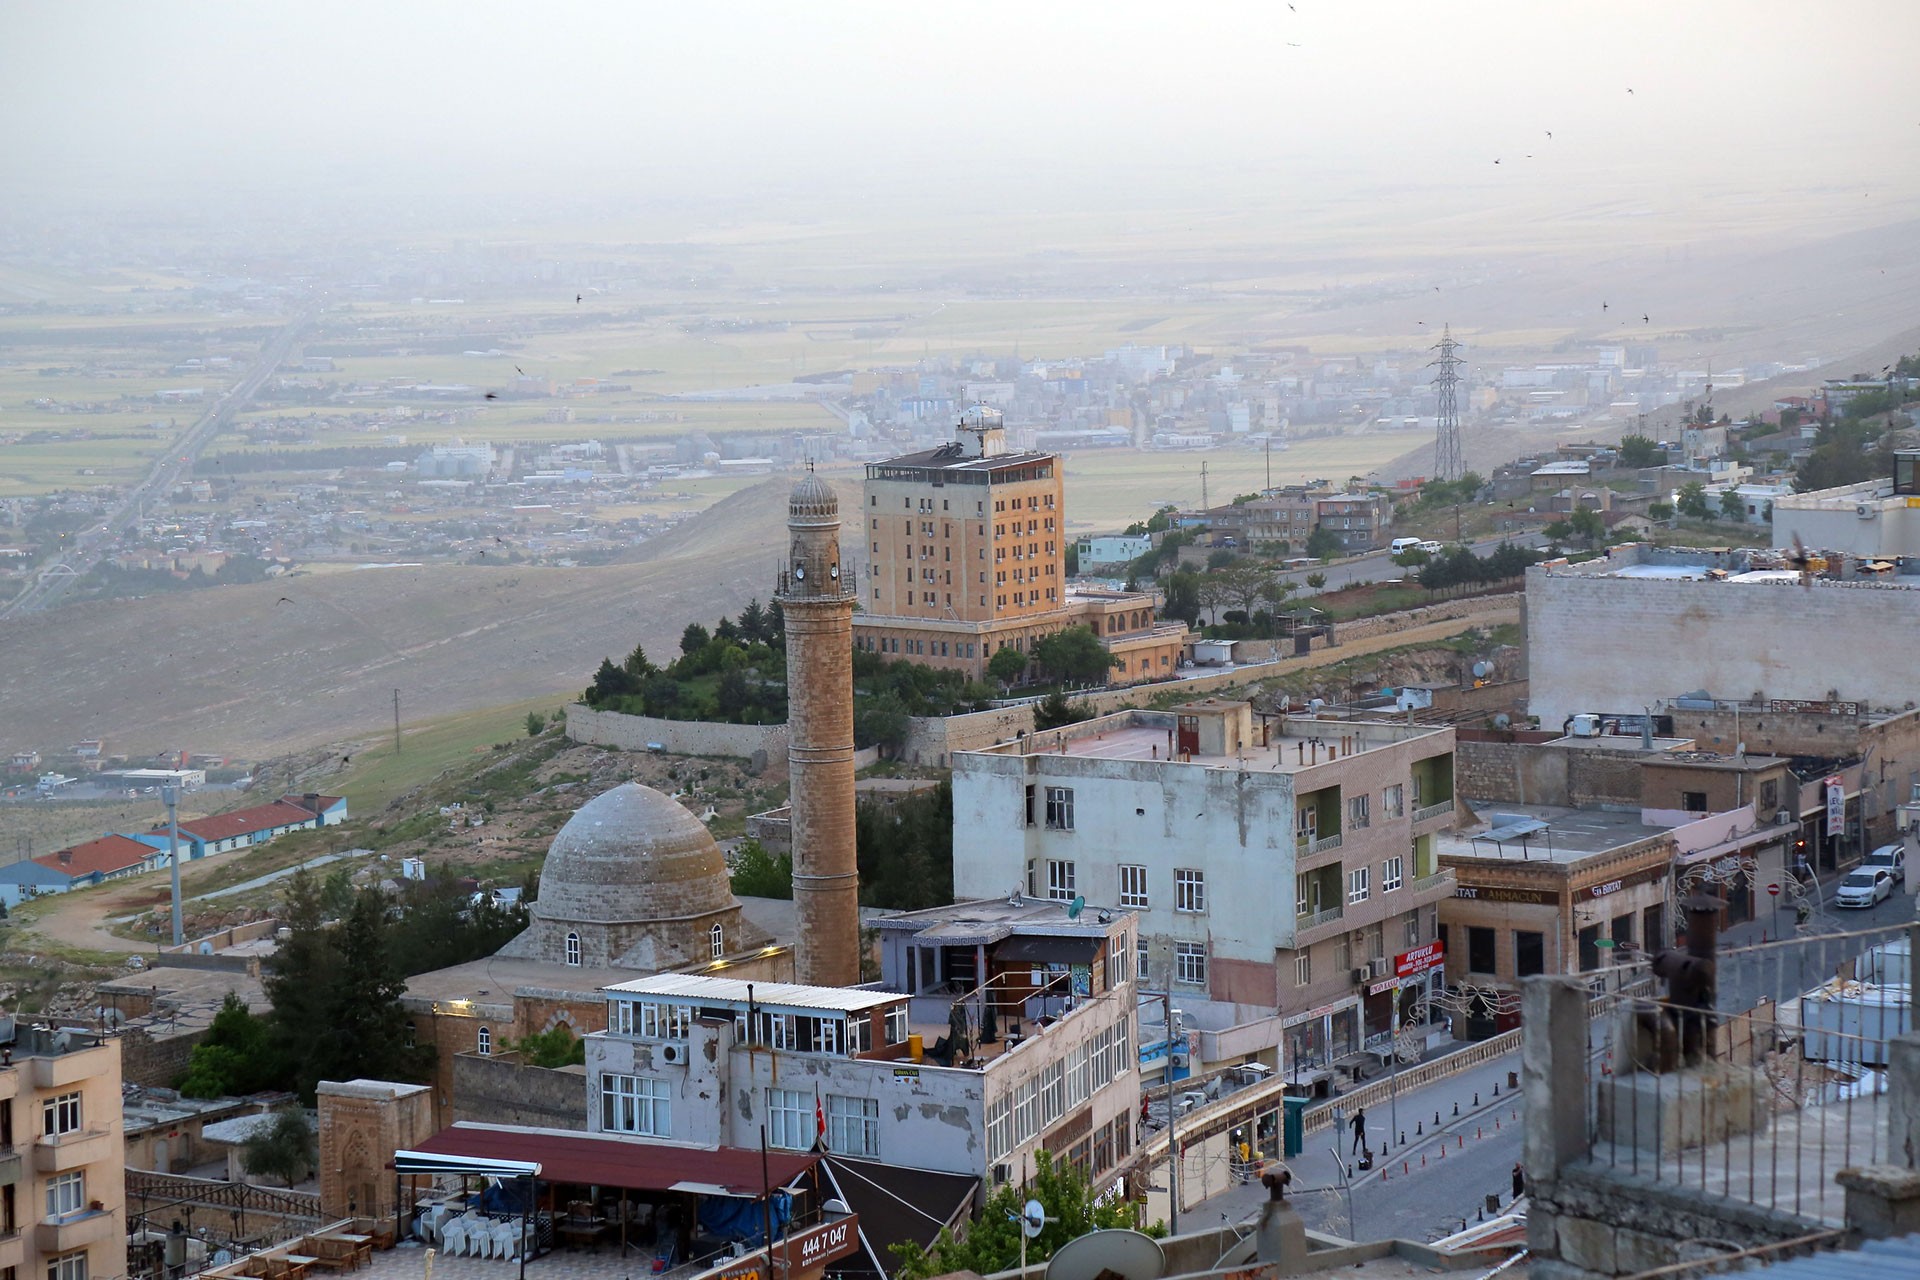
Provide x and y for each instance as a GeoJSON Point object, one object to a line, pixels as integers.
{"type": "Point", "coordinates": [813, 499]}
{"type": "Point", "coordinates": [632, 855]}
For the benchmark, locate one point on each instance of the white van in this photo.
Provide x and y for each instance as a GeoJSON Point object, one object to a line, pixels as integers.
{"type": "Point", "coordinates": [1402, 544]}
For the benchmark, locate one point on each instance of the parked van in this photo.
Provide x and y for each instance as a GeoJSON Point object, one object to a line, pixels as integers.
{"type": "Point", "coordinates": [1403, 544]}
{"type": "Point", "coordinates": [1889, 857]}
{"type": "Point", "coordinates": [1431, 548]}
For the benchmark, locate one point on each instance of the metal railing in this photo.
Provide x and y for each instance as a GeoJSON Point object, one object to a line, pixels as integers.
{"type": "Point", "coordinates": [1439, 810]}
{"type": "Point", "coordinates": [1433, 881]}
{"type": "Point", "coordinates": [1315, 920]}
{"type": "Point", "coordinates": [1309, 847]}
{"type": "Point", "coordinates": [1772, 1110]}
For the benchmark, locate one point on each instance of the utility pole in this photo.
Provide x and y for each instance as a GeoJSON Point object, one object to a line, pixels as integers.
{"type": "Point", "coordinates": [1204, 505]}
{"type": "Point", "coordinates": [1173, 1139]}
{"type": "Point", "coordinates": [396, 722]}
{"type": "Point", "coordinates": [1269, 456]}
{"type": "Point", "coordinates": [171, 794]}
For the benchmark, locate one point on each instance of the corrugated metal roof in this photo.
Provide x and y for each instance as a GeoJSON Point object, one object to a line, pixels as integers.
{"type": "Point", "coordinates": [707, 990]}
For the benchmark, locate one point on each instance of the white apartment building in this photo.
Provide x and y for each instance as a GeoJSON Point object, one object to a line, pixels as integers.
{"type": "Point", "coordinates": [1286, 866]}
{"type": "Point", "coordinates": [923, 1080]}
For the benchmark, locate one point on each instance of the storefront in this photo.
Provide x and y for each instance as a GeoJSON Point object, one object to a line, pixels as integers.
{"type": "Point", "coordinates": [1316, 1040]}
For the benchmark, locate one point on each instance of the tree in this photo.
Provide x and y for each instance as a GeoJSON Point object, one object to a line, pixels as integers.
{"type": "Point", "coordinates": [236, 1056]}
{"type": "Point", "coordinates": [1243, 583]}
{"type": "Point", "coordinates": [1073, 559]}
{"type": "Point", "coordinates": [1638, 451]}
{"type": "Point", "coordinates": [283, 1148]}
{"type": "Point", "coordinates": [1322, 544]}
{"type": "Point", "coordinates": [1182, 589]}
{"type": "Point", "coordinates": [1074, 654]}
{"type": "Point", "coordinates": [1732, 505]}
{"type": "Point", "coordinates": [553, 1048]}
{"type": "Point", "coordinates": [905, 850]}
{"type": "Point", "coordinates": [759, 873]}
{"type": "Point", "coordinates": [693, 639]}
{"type": "Point", "coordinates": [753, 623]}
{"type": "Point", "coordinates": [1586, 524]}
{"type": "Point", "coordinates": [1557, 531]}
{"type": "Point", "coordinates": [993, 1240]}
{"type": "Point", "coordinates": [1315, 581]}
{"type": "Point", "coordinates": [1053, 711]}
{"type": "Point", "coordinates": [1007, 665]}
{"type": "Point", "coordinates": [882, 721]}
{"type": "Point", "coordinates": [609, 682]}
{"type": "Point", "coordinates": [535, 723]}
{"type": "Point", "coordinates": [1221, 557]}
{"type": "Point", "coordinates": [1693, 501]}
{"type": "Point", "coordinates": [661, 695]}
{"type": "Point", "coordinates": [1660, 511]}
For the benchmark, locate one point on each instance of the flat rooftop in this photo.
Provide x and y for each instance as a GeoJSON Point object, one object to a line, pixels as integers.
{"type": "Point", "coordinates": [1302, 744]}
{"type": "Point", "coordinates": [999, 917]}
{"type": "Point", "coordinates": [1543, 833]}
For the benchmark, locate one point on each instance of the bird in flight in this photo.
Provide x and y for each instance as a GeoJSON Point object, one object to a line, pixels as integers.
{"type": "Point", "coordinates": [1644, 319]}
{"type": "Point", "coordinates": [492, 395]}
{"type": "Point", "coordinates": [1496, 162]}
{"type": "Point", "coordinates": [1629, 91]}
{"type": "Point", "coordinates": [1603, 306]}
{"type": "Point", "coordinates": [522, 372]}
{"type": "Point", "coordinates": [1802, 561]}
{"type": "Point", "coordinates": [1549, 133]}
{"type": "Point", "coordinates": [577, 297]}
{"type": "Point", "coordinates": [284, 600]}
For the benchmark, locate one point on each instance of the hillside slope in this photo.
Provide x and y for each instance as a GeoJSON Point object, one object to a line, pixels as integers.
{"type": "Point", "coordinates": [273, 667]}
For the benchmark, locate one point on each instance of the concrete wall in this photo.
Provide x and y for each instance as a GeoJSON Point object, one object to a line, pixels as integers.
{"type": "Point", "coordinates": [1441, 611]}
{"type": "Point", "coordinates": [157, 1062]}
{"type": "Point", "coordinates": [504, 1090]}
{"type": "Point", "coordinates": [678, 737]}
{"type": "Point", "coordinates": [1610, 1223]}
{"type": "Point", "coordinates": [1618, 645]}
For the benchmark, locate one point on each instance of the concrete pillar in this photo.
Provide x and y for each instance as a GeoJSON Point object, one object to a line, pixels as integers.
{"type": "Point", "coordinates": [1553, 1073]}
{"type": "Point", "coordinates": [1882, 1201]}
{"type": "Point", "coordinates": [1903, 1101]}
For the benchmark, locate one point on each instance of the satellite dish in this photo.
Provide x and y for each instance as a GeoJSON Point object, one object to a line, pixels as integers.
{"type": "Point", "coordinates": [1502, 720]}
{"type": "Point", "coordinates": [1075, 907]}
{"type": "Point", "coordinates": [1033, 1219]}
{"type": "Point", "coordinates": [1129, 1255]}
{"type": "Point", "coordinates": [1482, 668]}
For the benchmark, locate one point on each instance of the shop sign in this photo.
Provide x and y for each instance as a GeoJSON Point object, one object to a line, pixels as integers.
{"type": "Point", "coordinates": [1836, 805]}
{"type": "Point", "coordinates": [1417, 961]}
{"type": "Point", "coordinates": [1501, 893]}
{"type": "Point", "coordinates": [1646, 875]}
{"type": "Point", "coordinates": [1314, 1015]}
{"type": "Point", "coordinates": [809, 1251]}
{"type": "Point", "coordinates": [1382, 986]}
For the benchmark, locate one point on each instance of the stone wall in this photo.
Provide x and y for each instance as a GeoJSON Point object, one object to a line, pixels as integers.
{"type": "Point", "coordinates": [1440, 611]}
{"type": "Point", "coordinates": [362, 1123]}
{"type": "Point", "coordinates": [680, 737]}
{"type": "Point", "coordinates": [1606, 1222]}
{"type": "Point", "coordinates": [1527, 770]}
{"type": "Point", "coordinates": [156, 1061]}
{"type": "Point", "coordinates": [502, 1089]}
{"type": "Point", "coordinates": [932, 740]}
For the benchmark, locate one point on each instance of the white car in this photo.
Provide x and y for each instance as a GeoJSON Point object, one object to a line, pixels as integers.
{"type": "Point", "coordinates": [1864, 887]}
{"type": "Point", "coordinates": [1892, 857]}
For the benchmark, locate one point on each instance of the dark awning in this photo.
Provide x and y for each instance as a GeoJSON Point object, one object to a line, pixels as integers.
{"type": "Point", "coordinates": [596, 1159]}
{"type": "Point", "coordinates": [1028, 948]}
{"type": "Point", "coordinates": [904, 1204]}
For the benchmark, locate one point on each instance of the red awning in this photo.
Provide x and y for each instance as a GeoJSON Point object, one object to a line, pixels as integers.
{"type": "Point", "coordinates": [606, 1160]}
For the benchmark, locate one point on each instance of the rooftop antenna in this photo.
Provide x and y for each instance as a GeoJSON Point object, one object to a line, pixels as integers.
{"type": "Point", "coordinates": [1448, 464]}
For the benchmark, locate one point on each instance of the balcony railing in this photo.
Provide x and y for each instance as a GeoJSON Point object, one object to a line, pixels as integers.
{"type": "Point", "coordinates": [1434, 881]}
{"type": "Point", "coordinates": [1308, 848]}
{"type": "Point", "coordinates": [1315, 919]}
{"type": "Point", "coordinates": [1439, 810]}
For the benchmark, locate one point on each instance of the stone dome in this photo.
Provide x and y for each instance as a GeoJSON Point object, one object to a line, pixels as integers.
{"type": "Point", "coordinates": [813, 499]}
{"type": "Point", "coordinates": [632, 855]}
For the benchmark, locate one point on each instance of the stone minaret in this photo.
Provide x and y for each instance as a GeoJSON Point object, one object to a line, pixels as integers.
{"type": "Point", "coordinates": [818, 603]}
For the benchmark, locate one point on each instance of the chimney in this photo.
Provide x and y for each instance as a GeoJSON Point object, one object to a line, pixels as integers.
{"type": "Point", "coordinates": [66, 857]}
{"type": "Point", "coordinates": [312, 801]}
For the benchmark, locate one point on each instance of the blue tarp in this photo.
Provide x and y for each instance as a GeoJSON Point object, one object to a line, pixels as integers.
{"type": "Point", "coordinates": [743, 1220]}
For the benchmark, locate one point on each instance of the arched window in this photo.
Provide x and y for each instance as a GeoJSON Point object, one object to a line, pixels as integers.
{"type": "Point", "coordinates": [485, 1044]}
{"type": "Point", "coordinates": [573, 950]}
{"type": "Point", "coordinates": [719, 941]}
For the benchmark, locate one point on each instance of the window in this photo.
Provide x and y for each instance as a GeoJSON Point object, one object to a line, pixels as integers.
{"type": "Point", "coordinates": [68, 1266]}
{"type": "Point", "coordinates": [66, 1194]}
{"type": "Point", "coordinates": [897, 1024]}
{"type": "Point", "coordinates": [1393, 801]}
{"type": "Point", "coordinates": [790, 1121]}
{"type": "Point", "coordinates": [1529, 953]}
{"type": "Point", "coordinates": [1693, 801]}
{"type": "Point", "coordinates": [1189, 890]}
{"type": "Point", "coordinates": [717, 941]}
{"type": "Point", "coordinates": [573, 950]}
{"type": "Point", "coordinates": [1302, 968]}
{"type": "Point", "coordinates": [484, 1041]}
{"type": "Point", "coordinates": [1140, 956]}
{"type": "Point", "coordinates": [1343, 952]}
{"type": "Point", "coordinates": [1358, 808]}
{"type": "Point", "coordinates": [1412, 935]}
{"type": "Point", "coordinates": [1133, 885]}
{"type": "Point", "coordinates": [632, 1104]}
{"type": "Point", "coordinates": [1357, 885]}
{"type": "Point", "coordinates": [1377, 940]}
{"type": "Point", "coordinates": [1480, 950]}
{"type": "Point", "coordinates": [660, 1021]}
{"type": "Point", "coordinates": [1060, 808]}
{"type": "Point", "coordinates": [60, 1115]}
{"type": "Point", "coordinates": [1060, 878]}
{"type": "Point", "coordinates": [853, 1126]}
{"type": "Point", "coordinates": [1391, 874]}
{"type": "Point", "coordinates": [1190, 963]}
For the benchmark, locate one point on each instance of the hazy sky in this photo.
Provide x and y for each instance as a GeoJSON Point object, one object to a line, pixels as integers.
{"type": "Point", "coordinates": [1154, 99]}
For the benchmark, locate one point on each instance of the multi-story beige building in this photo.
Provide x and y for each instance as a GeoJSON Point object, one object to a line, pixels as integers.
{"type": "Point", "coordinates": [966, 554]}
{"type": "Point", "coordinates": [1286, 865]}
{"type": "Point", "coordinates": [62, 1172]}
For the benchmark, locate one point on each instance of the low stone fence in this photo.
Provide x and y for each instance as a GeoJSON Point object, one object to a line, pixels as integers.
{"type": "Point", "coordinates": [1505, 601]}
{"type": "Point", "coordinates": [763, 744]}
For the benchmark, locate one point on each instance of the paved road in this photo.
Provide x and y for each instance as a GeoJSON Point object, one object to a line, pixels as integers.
{"type": "Point", "coordinates": [59, 574]}
{"type": "Point", "coordinates": [1379, 566]}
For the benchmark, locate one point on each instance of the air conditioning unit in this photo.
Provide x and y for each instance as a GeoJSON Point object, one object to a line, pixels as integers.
{"type": "Point", "coordinates": [1359, 976]}
{"type": "Point", "coordinates": [1586, 725]}
{"type": "Point", "coordinates": [1865, 510]}
{"type": "Point", "coordinates": [1002, 1173]}
{"type": "Point", "coordinates": [1377, 968]}
{"type": "Point", "coordinates": [673, 1054]}
{"type": "Point", "coordinates": [1786, 818]}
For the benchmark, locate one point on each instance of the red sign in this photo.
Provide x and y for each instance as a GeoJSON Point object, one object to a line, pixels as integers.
{"type": "Point", "coordinates": [1413, 963]}
{"type": "Point", "coordinates": [805, 1253]}
{"type": "Point", "coordinates": [1774, 890]}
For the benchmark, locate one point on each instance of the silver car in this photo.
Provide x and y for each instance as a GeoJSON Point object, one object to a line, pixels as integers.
{"type": "Point", "coordinates": [1864, 887]}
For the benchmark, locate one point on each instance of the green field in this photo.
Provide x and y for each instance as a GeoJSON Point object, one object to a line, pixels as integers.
{"type": "Point", "coordinates": [376, 775]}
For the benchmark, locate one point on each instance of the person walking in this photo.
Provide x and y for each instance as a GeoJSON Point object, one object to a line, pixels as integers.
{"type": "Point", "coordinates": [1519, 1181]}
{"type": "Point", "coordinates": [1359, 1123]}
